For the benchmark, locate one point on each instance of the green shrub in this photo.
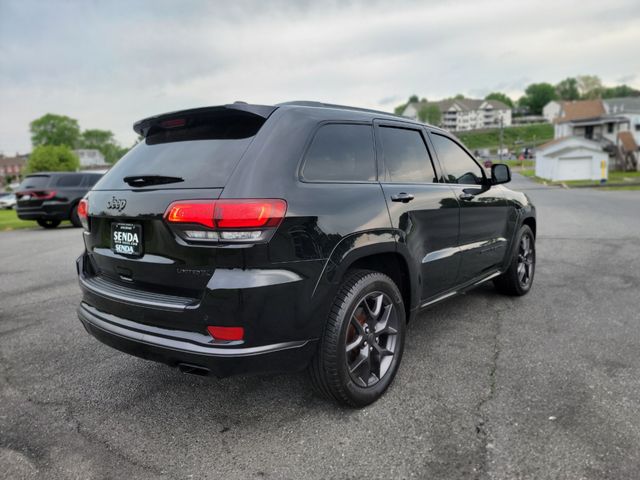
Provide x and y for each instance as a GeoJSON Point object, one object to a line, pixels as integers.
{"type": "Point", "coordinates": [52, 158]}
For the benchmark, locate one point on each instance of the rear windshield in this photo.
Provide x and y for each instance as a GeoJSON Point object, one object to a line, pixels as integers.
{"type": "Point", "coordinates": [71, 180]}
{"type": "Point", "coordinates": [202, 151]}
{"type": "Point", "coordinates": [33, 182]}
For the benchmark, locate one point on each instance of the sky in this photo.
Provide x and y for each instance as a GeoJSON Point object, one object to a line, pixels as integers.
{"type": "Point", "coordinates": [110, 63]}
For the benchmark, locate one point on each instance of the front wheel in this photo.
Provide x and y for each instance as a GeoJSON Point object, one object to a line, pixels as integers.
{"type": "Point", "coordinates": [48, 223]}
{"type": "Point", "coordinates": [361, 348]}
{"type": "Point", "coordinates": [518, 278]}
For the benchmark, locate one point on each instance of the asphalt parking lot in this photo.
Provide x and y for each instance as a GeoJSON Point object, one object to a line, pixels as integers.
{"type": "Point", "coordinates": [544, 386]}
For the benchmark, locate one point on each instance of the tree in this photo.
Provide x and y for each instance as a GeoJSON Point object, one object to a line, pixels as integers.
{"type": "Point", "coordinates": [501, 97]}
{"type": "Point", "coordinates": [95, 138]}
{"type": "Point", "coordinates": [537, 95]}
{"type": "Point", "coordinates": [430, 114]}
{"type": "Point", "coordinates": [589, 86]}
{"type": "Point", "coordinates": [399, 109]}
{"type": "Point", "coordinates": [459, 96]}
{"type": "Point", "coordinates": [52, 158]}
{"type": "Point", "coordinates": [412, 99]}
{"type": "Point", "coordinates": [52, 129]}
{"type": "Point", "coordinates": [567, 89]}
{"type": "Point", "coordinates": [103, 140]}
{"type": "Point", "coordinates": [620, 91]}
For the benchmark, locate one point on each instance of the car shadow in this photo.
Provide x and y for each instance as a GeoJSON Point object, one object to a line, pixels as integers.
{"type": "Point", "coordinates": [253, 399]}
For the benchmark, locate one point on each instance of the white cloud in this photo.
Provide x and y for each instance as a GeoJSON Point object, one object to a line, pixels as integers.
{"type": "Point", "coordinates": [111, 63]}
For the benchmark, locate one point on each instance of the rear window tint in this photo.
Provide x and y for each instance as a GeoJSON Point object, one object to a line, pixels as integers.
{"type": "Point", "coordinates": [71, 180]}
{"type": "Point", "coordinates": [203, 151]}
{"type": "Point", "coordinates": [34, 181]}
{"type": "Point", "coordinates": [341, 153]}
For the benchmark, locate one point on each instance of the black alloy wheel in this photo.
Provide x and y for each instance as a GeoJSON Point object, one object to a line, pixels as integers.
{"type": "Point", "coordinates": [526, 260]}
{"type": "Point", "coordinates": [362, 344]}
{"type": "Point", "coordinates": [371, 339]}
{"type": "Point", "coordinates": [518, 278]}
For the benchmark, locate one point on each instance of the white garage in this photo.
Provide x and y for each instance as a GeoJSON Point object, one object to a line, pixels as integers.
{"type": "Point", "coordinates": [571, 158]}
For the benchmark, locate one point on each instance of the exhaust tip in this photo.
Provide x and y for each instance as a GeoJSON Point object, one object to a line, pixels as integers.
{"type": "Point", "coordinates": [193, 369]}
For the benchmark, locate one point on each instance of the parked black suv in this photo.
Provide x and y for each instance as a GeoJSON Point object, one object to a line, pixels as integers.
{"type": "Point", "coordinates": [49, 198]}
{"type": "Point", "coordinates": [303, 235]}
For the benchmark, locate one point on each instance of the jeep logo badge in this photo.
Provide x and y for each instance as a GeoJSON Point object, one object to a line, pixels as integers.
{"type": "Point", "coordinates": [116, 204]}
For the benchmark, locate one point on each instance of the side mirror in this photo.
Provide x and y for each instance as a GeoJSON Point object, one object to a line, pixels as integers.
{"type": "Point", "coordinates": [500, 173]}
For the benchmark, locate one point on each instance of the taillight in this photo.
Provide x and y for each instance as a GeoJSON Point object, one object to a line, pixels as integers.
{"type": "Point", "coordinates": [246, 220]}
{"type": "Point", "coordinates": [83, 213]}
{"type": "Point", "coordinates": [44, 195]}
{"type": "Point", "coordinates": [249, 213]}
{"type": "Point", "coordinates": [200, 212]}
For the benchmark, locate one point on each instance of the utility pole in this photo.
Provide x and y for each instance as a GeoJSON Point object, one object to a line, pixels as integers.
{"type": "Point", "coordinates": [501, 136]}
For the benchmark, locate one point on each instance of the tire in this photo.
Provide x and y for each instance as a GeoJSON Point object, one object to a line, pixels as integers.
{"type": "Point", "coordinates": [368, 319]}
{"type": "Point", "coordinates": [518, 278]}
{"type": "Point", "coordinates": [48, 223]}
{"type": "Point", "coordinates": [75, 219]}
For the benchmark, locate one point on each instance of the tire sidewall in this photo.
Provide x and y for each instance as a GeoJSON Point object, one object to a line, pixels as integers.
{"type": "Point", "coordinates": [360, 395]}
{"type": "Point", "coordinates": [48, 224]}
{"type": "Point", "coordinates": [75, 219]}
{"type": "Point", "coordinates": [524, 230]}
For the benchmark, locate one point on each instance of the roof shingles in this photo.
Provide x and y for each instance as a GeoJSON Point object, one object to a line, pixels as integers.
{"type": "Point", "coordinates": [581, 109]}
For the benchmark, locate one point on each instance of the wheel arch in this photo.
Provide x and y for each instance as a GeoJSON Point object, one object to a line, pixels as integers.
{"type": "Point", "coordinates": [531, 223]}
{"type": "Point", "coordinates": [375, 251]}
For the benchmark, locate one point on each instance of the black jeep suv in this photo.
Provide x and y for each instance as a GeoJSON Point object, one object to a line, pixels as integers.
{"type": "Point", "coordinates": [267, 238]}
{"type": "Point", "coordinates": [51, 197]}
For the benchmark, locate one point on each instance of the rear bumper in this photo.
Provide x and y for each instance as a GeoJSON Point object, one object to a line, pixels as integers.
{"type": "Point", "coordinates": [46, 211]}
{"type": "Point", "coordinates": [184, 348]}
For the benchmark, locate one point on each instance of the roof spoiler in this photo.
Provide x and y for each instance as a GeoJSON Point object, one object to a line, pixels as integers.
{"type": "Point", "coordinates": [142, 127]}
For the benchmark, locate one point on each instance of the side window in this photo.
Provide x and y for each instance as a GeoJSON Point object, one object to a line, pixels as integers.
{"type": "Point", "coordinates": [406, 158]}
{"type": "Point", "coordinates": [341, 152]}
{"type": "Point", "coordinates": [91, 180]}
{"type": "Point", "coordinates": [72, 180]}
{"type": "Point", "coordinates": [460, 167]}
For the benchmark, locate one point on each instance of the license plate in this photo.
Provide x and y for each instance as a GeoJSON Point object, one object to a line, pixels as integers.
{"type": "Point", "coordinates": [126, 239]}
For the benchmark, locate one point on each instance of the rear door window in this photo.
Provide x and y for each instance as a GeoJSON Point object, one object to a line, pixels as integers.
{"type": "Point", "coordinates": [406, 158]}
{"type": "Point", "coordinates": [202, 150]}
{"type": "Point", "coordinates": [341, 152]}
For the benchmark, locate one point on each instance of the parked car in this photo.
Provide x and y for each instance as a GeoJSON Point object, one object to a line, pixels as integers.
{"type": "Point", "coordinates": [247, 238]}
{"type": "Point", "coordinates": [7, 201]}
{"type": "Point", "coordinates": [51, 197]}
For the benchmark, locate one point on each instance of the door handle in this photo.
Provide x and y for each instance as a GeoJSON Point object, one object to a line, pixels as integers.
{"type": "Point", "coordinates": [402, 197]}
{"type": "Point", "coordinates": [466, 196]}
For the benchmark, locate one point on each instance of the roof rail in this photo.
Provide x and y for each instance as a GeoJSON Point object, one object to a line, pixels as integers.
{"type": "Point", "coordinates": [310, 103]}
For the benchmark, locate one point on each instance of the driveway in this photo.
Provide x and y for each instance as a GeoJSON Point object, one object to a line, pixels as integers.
{"type": "Point", "coordinates": [544, 386]}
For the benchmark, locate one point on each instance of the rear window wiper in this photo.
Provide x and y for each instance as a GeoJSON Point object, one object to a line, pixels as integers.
{"type": "Point", "coordinates": [146, 180]}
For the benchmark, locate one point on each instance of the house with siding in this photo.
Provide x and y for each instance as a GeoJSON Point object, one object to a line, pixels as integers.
{"type": "Point", "coordinates": [588, 133]}
{"type": "Point", "coordinates": [628, 107]}
{"type": "Point", "coordinates": [589, 119]}
{"type": "Point", "coordinates": [12, 166]}
{"type": "Point", "coordinates": [465, 113]}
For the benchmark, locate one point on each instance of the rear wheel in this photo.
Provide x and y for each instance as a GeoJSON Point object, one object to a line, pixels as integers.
{"type": "Point", "coordinates": [75, 219]}
{"type": "Point", "coordinates": [360, 351]}
{"type": "Point", "coordinates": [518, 278]}
{"type": "Point", "coordinates": [48, 223]}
